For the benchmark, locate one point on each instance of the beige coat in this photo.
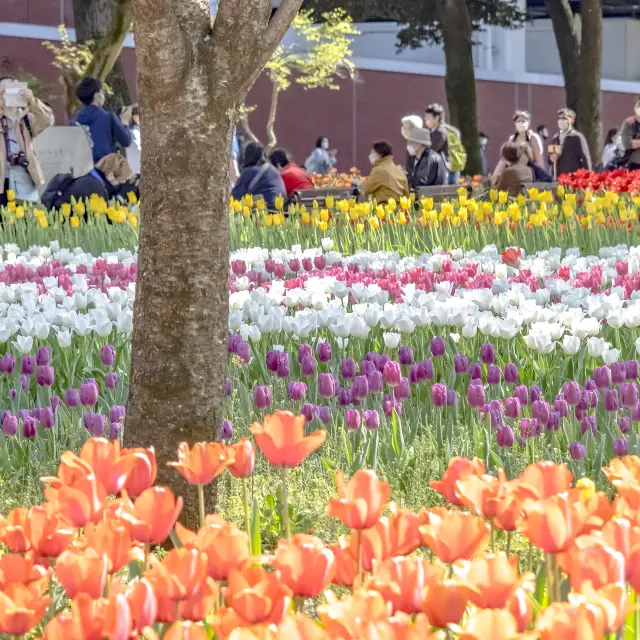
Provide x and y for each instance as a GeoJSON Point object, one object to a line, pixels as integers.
{"type": "Point", "coordinates": [40, 117]}
{"type": "Point", "coordinates": [387, 180]}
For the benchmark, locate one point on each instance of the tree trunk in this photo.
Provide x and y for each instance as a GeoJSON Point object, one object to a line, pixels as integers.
{"type": "Point", "coordinates": [460, 85]}
{"type": "Point", "coordinates": [191, 89]}
{"type": "Point", "coordinates": [271, 119]}
{"type": "Point", "coordinates": [590, 100]}
{"type": "Point", "coordinates": [568, 41]}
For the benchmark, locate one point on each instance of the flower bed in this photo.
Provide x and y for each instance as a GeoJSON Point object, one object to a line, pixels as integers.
{"type": "Point", "coordinates": [620, 181]}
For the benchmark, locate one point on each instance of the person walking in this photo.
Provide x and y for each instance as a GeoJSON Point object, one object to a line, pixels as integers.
{"type": "Point", "coordinates": [295, 178]}
{"type": "Point", "coordinates": [321, 161]}
{"type": "Point", "coordinates": [429, 168]}
{"type": "Point", "coordinates": [387, 179]}
{"type": "Point", "coordinates": [447, 141]}
{"type": "Point", "coordinates": [570, 150]}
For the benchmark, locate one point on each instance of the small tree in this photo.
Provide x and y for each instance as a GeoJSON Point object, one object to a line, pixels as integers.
{"type": "Point", "coordinates": [321, 55]}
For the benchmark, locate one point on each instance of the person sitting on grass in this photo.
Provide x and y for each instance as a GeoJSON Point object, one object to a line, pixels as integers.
{"type": "Point", "coordinates": [387, 179]}
{"type": "Point", "coordinates": [514, 174]}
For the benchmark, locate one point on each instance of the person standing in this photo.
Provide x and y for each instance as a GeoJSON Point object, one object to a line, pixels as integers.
{"type": "Point", "coordinates": [569, 148]}
{"type": "Point", "coordinates": [523, 133]}
{"type": "Point", "coordinates": [105, 130]}
{"type": "Point", "coordinates": [387, 179]}
{"type": "Point", "coordinates": [447, 141]}
{"type": "Point", "coordinates": [429, 168]}
{"type": "Point", "coordinates": [409, 123]}
{"type": "Point", "coordinates": [321, 160]}
{"type": "Point", "coordinates": [630, 138]}
{"type": "Point", "coordinates": [295, 178]}
{"type": "Point", "coordinates": [610, 147]}
{"type": "Point", "coordinates": [22, 118]}
{"type": "Point", "coordinates": [543, 132]}
{"type": "Point", "coordinates": [134, 150]}
{"type": "Point", "coordinates": [484, 143]}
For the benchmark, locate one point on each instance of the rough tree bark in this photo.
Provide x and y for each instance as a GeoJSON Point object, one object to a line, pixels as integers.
{"type": "Point", "coordinates": [272, 140]}
{"type": "Point", "coordinates": [191, 89]}
{"type": "Point", "coordinates": [460, 85]}
{"type": "Point", "coordinates": [107, 23]}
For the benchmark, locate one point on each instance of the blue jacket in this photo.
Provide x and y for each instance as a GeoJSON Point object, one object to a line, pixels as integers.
{"type": "Point", "coordinates": [104, 130]}
{"type": "Point", "coordinates": [269, 185]}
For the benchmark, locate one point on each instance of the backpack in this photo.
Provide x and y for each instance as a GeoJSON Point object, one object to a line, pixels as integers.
{"type": "Point", "coordinates": [52, 195]}
{"type": "Point", "coordinates": [457, 152]}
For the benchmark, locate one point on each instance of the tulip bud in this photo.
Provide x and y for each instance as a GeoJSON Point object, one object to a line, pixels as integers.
{"type": "Point", "coordinates": [9, 424]}
{"type": "Point", "coordinates": [512, 408]}
{"type": "Point", "coordinates": [344, 397]}
{"type": "Point", "coordinates": [572, 392]}
{"type": "Point", "coordinates": [553, 422]}
{"type": "Point", "coordinates": [475, 395]}
{"type": "Point", "coordinates": [488, 353]}
{"type": "Point", "coordinates": [366, 367]}
{"type": "Point", "coordinates": [529, 428]}
{"type": "Point", "coordinates": [577, 450]}
{"type": "Point", "coordinates": [25, 382]}
{"type": "Point", "coordinates": [326, 385]}
{"type": "Point", "coordinates": [108, 355]}
{"type": "Point", "coordinates": [43, 356]}
{"type": "Point", "coordinates": [602, 377]}
{"type": "Point", "coordinates": [475, 371]}
{"type": "Point", "coordinates": [540, 411]}
{"type": "Point", "coordinates": [28, 365]}
{"type": "Point", "coordinates": [243, 351]}
{"type": "Point", "coordinates": [624, 424]}
{"type": "Point", "coordinates": [561, 406]}
{"type": "Point", "coordinates": [307, 410]}
{"type": "Point", "coordinates": [307, 265]}
{"type": "Point", "coordinates": [95, 423]}
{"type": "Point", "coordinates": [588, 423]}
{"type": "Point", "coordinates": [405, 355]}
{"type": "Point", "coordinates": [111, 380]}
{"type": "Point", "coordinates": [439, 395]}
{"type": "Point", "coordinates": [45, 376]}
{"type": "Point", "coordinates": [390, 405]}
{"type": "Point", "coordinates": [89, 393]}
{"type": "Point", "coordinates": [620, 447]}
{"type": "Point", "coordinates": [493, 374]}
{"type": "Point", "coordinates": [622, 268]}
{"type": "Point", "coordinates": [452, 396]}
{"type": "Point", "coordinates": [29, 428]}
{"type": "Point", "coordinates": [437, 347]}
{"type": "Point", "coordinates": [631, 369]}
{"type": "Point", "coordinates": [226, 430]}
{"type": "Point", "coordinates": [510, 373]}
{"type": "Point", "coordinates": [504, 436]}
{"type": "Point", "coordinates": [348, 368]}
{"type": "Point", "coordinates": [352, 419]}
{"type": "Point", "coordinates": [629, 393]}
{"type": "Point", "coordinates": [72, 398]}
{"type": "Point", "coordinates": [324, 414]}
{"type": "Point", "coordinates": [381, 361]}
{"type": "Point", "coordinates": [46, 417]}
{"type": "Point", "coordinates": [324, 351]}
{"type": "Point", "coordinates": [425, 370]}
{"type": "Point", "coordinates": [114, 431]}
{"type": "Point", "coordinates": [392, 374]}
{"type": "Point", "coordinates": [460, 363]}
{"type": "Point", "coordinates": [375, 382]}
{"type": "Point", "coordinates": [611, 402]}
{"type": "Point", "coordinates": [279, 270]}
{"type": "Point", "coordinates": [360, 388]}
{"type": "Point", "coordinates": [320, 262]}
{"type": "Point", "coordinates": [294, 265]}
{"type": "Point", "coordinates": [262, 396]}
{"type": "Point", "coordinates": [283, 370]}
{"type": "Point", "coordinates": [227, 387]}
{"type": "Point", "coordinates": [403, 390]}
{"type": "Point", "coordinates": [304, 351]}
{"type": "Point", "coordinates": [618, 372]}
{"type": "Point", "coordinates": [233, 341]}
{"type": "Point", "coordinates": [535, 393]}
{"type": "Point", "coordinates": [371, 420]}
{"type": "Point", "coordinates": [269, 265]}
{"type": "Point", "coordinates": [296, 391]}
{"type": "Point", "coordinates": [7, 363]}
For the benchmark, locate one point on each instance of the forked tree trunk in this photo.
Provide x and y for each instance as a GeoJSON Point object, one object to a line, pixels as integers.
{"type": "Point", "coordinates": [460, 84]}
{"type": "Point", "coordinates": [191, 88]}
{"type": "Point", "coordinates": [272, 140]}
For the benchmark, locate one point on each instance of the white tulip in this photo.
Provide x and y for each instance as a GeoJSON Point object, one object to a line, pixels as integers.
{"type": "Point", "coordinates": [611, 356]}
{"type": "Point", "coordinates": [570, 344]}
{"type": "Point", "coordinates": [596, 347]}
{"type": "Point", "coordinates": [391, 340]}
{"type": "Point", "coordinates": [64, 339]}
{"type": "Point", "coordinates": [327, 244]}
{"type": "Point", "coordinates": [23, 344]}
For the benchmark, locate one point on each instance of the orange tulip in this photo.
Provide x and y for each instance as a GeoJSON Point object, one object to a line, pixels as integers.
{"type": "Point", "coordinates": [282, 441]}
{"type": "Point", "coordinates": [360, 502]}
{"type": "Point", "coordinates": [458, 469]}
{"type": "Point", "coordinates": [111, 468]}
{"type": "Point", "coordinates": [143, 473]}
{"type": "Point", "coordinates": [445, 601]}
{"type": "Point", "coordinates": [491, 624]}
{"type": "Point", "coordinates": [70, 470]}
{"type": "Point", "coordinates": [257, 596]}
{"type": "Point", "coordinates": [547, 478]}
{"type": "Point", "coordinates": [612, 599]}
{"type": "Point", "coordinates": [347, 618]}
{"type": "Point", "coordinates": [153, 515]}
{"type": "Point", "coordinates": [81, 501]}
{"type": "Point", "coordinates": [12, 530]}
{"type": "Point", "coordinates": [15, 567]}
{"type": "Point", "coordinates": [179, 575]}
{"type": "Point", "coordinates": [22, 607]}
{"type": "Point", "coordinates": [454, 535]}
{"type": "Point", "coordinates": [142, 603]}
{"type": "Point", "coordinates": [49, 533]}
{"type": "Point", "coordinates": [621, 535]}
{"type": "Point", "coordinates": [225, 546]}
{"type": "Point", "coordinates": [299, 627]}
{"type": "Point", "coordinates": [520, 606]}
{"type": "Point", "coordinates": [204, 462]}
{"type": "Point", "coordinates": [306, 566]}
{"type": "Point", "coordinates": [201, 603]}
{"type": "Point", "coordinates": [562, 620]}
{"type": "Point", "coordinates": [479, 494]}
{"type": "Point", "coordinates": [112, 538]}
{"type": "Point", "coordinates": [82, 572]}
{"type": "Point", "coordinates": [496, 579]}
{"type": "Point", "coordinates": [402, 580]}
{"type": "Point", "coordinates": [404, 530]}
{"type": "Point", "coordinates": [552, 524]}
{"type": "Point", "coordinates": [375, 544]}
{"type": "Point", "coordinates": [245, 458]}
{"type": "Point", "coordinates": [591, 560]}
{"type": "Point", "coordinates": [510, 504]}
{"type": "Point", "coordinates": [185, 631]}
{"type": "Point", "coordinates": [598, 509]}
{"type": "Point", "coordinates": [346, 565]}
{"type": "Point", "coordinates": [625, 470]}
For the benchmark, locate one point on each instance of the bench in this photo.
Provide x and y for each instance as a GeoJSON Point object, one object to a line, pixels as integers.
{"type": "Point", "coordinates": [540, 186]}
{"type": "Point", "coordinates": [308, 196]}
{"type": "Point", "coordinates": [439, 193]}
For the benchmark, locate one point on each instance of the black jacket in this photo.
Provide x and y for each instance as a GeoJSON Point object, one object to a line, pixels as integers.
{"type": "Point", "coordinates": [428, 171]}
{"type": "Point", "coordinates": [85, 186]}
{"type": "Point", "coordinates": [574, 154]}
{"type": "Point", "coordinates": [539, 173]}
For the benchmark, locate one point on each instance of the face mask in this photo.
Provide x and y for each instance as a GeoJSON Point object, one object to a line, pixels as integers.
{"type": "Point", "coordinates": [563, 125]}
{"type": "Point", "coordinates": [325, 144]}
{"type": "Point", "coordinates": [483, 142]}
{"type": "Point", "coordinates": [522, 127]}
{"type": "Point", "coordinates": [373, 157]}
{"type": "Point", "coordinates": [410, 150]}
{"type": "Point", "coordinates": [637, 110]}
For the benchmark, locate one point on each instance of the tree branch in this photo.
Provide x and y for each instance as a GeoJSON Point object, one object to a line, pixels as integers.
{"type": "Point", "coordinates": [278, 26]}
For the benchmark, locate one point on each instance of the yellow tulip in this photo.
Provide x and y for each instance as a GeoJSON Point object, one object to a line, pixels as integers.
{"type": "Point", "coordinates": [534, 194]}
{"type": "Point", "coordinates": [462, 214]}
{"type": "Point", "coordinates": [131, 196]}
{"type": "Point", "coordinates": [279, 202]}
{"type": "Point", "coordinates": [560, 191]}
{"type": "Point", "coordinates": [472, 206]}
{"type": "Point", "coordinates": [402, 219]}
{"type": "Point", "coordinates": [588, 488]}
{"type": "Point", "coordinates": [19, 212]}
{"type": "Point", "coordinates": [502, 197]}
{"type": "Point", "coordinates": [600, 219]}
{"type": "Point", "coordinates": [38, 213]}
{"type": "Point", "coordinates": [65, 209]}
{"type": "Point", "coordinates": [493, 195]}
{"type": "Point", "coordinates": [427, 204]}
{"type": "Point", "coordinates": [75, 221]}
{"type": "Point", "coordinates": [447, 209]}
{"type": "Point", "coordinates": [306, 218]}
{"type": "Point", "coordinates": [44, 223]}
{"type": "Point", "coordinates": [322, 226]}
{"type": "Point", "coordinates": [380, 212]}
{"type": "Point", "coordinates": [623, 215]}
{"type": "Point", "coordinates": [248, 200]}
{"type": "Point", "coordinates": [586, 222]}
{"type": "Point", "coordinates": [353, 215]}
{"type": "Point", "coordinates": [373, 223]}
{"type": "Point", "coordinates": [521, 200]}
{"type": "Point", "coordinates": [391, 204]}
{"type": "Point", "coordinates": [324, 215]}
{"type": "Point", "coordinates": [329, 202]}
{"type": "Point", "coordinates": [568, 210]}
{"type": "Point", "coordinates": [236, 205]}
{"type": "Point", "coordinates": [276, 220]}
{"type": "Point", "coordinates": [404, 203]}
{"type": "Point", "coordinates": [11, 205]}
{"type": "Point", "coordinates": [463, 199]}
{"type": "Point", "coordinates": [343, 206]}
{"type": "Point", "coordinates": [261, 205]}
{"type": "Point", "coordinates": [11, 195]}
{"type": "Point", "coordinates": [268, 219]}
{"type": "Point", "coordinates": [571, 198]}
{"type": "Point", "coordinates": [133, 221]}
{"type": "Point", "coordinates": [79, 208]}
{"type": "Point", "coordinates": [246, 212]}
{"type": "Point", "coordinates": [516, 216]}
{"type": "Point", "coordinates": [359, 227]}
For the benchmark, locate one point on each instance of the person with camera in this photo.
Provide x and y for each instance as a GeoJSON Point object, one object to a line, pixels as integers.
{"type": "Point", "coordinates": [22, 118]}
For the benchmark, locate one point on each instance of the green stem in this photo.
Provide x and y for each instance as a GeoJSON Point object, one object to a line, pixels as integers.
{"type": "Point", "coordinates": [509, 536]}
{"type": "Point", "coordinates": [493, 538]}
{"type": "Point", "coordinates": [285, 503]}
{"type": "Point", "coordinates": [548, 566]}
{"type": "Point", "coordinates": [530, 557]}
{"type": "Point", "coordinates": [247, 522]}
{"type": "Point", "coordinates": [636, 617]}
{"type": "Point", "coordinates": [358, 581]}
{"type": "Point", "coordinates": [556, 579]}
{"type": "Point", "coordinates": [201, 503]}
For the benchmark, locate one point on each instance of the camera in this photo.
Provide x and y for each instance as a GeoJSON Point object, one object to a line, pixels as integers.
{"type": "Point", "coordinates": [19, 160]}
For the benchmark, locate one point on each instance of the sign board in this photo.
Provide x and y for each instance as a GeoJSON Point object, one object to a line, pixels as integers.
{"type": "Point", "coordinates": [63, 150]}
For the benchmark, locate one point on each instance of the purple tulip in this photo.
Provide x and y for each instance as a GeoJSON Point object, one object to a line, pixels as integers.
{"type": "Point", "coordinates": [43, 356]}
{"type": "Point", "coordinates": [391, 405]}
{"type": "Point", "coordinates": [326, 386]}
{"type": "Point", "coordinates": [294, 265]}
{"type": "Point", "coordinates": [360, 388]}
{"type": "Point", "coordinates": [307, 410]}
{"type": "Point", "coordinates": [13, 393]}
{"type": "Point", "coordinates": [304, 350]}
{"type": "Point", "coordinates": [583, 402]}
{"type": "Point", "coordinates": [89, 393]}
{"type": "Point", "coordinates": [561, 406]}
{"type": "Point", "coordinates": [371, 356]}
{"type": "Point", "coordinates": [553, 423]}
{"type": "Point", "coordinates": [475, 371]}
{"type": "Point", "coordinates": [238, 267]}
{"type": "Point", "coordinates": [475, 395]}
{"type": "Point", "coordinates": [117, 413]}
{"type": "Point", "coordinates": [352, 419]}
{"type": "Point", "coordinates": [29, 428]}
{"type": "Point", "coordinates": [488, 353]}
{"type": "Point", "coordinates": [25, 413]}
{"type": "Point", "coordinates": [344, 397]}
{"type": "Point", "coordinates": [452, 396]}
{"type": "Point", "coordinates": [324, 414]}
{"type": "Point", "coordinates": [28, 365]}
{"type": "Point", "coordinates": [510, 373]}
{"type": "Point", "coordinates": [618, 372]}
{"type": "Point", "coordinates": [437, 347]}
{"type": "Point", "coordinates": [392, 373]}
{"type": "Point", "coordinates": [629, 393]}
{"type": "Point", "coordinates": [493, 374]}
{"type": "Point", "coordinates": [72, 398]}
{"type": "Point", "coordinates": [243, 351]}
{"type": "Point", "coordinates": [114, 431]}
{"type": "Point", "coordinates": [46, 417]}
{"type": "Point", "coordinates": [611, 402]}
{"type": "Point", "coordinates": [414, 374]}
{"type": "Point", "coordinates": [580, 413]}
{"type": "Point", "coordinates": [590, 384]}
{"type": "Point", "coordinates": [283, 370]}
{"type": "Point", "coordinates": [95, 423]}
{"type": "Point", "coordinates": [262, 396]}
{"type": "Point", "coordinates": [572, 392]}
{"type": "Point", "coordinates": [425, 370]}
{"type": "Point", "coordinates": [535, 393]}
{"type": "Point", "coordinates": [588, 423]}
{"type": "Point", "coordinates": [624, 424]}
{"type": "Point", "coordinates": [380, 361]}
{"type": "Point", "coordinates": [528, 428]}
{"type": "Point", "coordinates": [226, 430]}
{"type": "Point", "coordinates": [460, 363]}
{"type": "Point", "coordinates": [495, 418]}
{"type": "Point", "coordinates": [405, 355]}
{"type": "Point", "coordinates": [504, 436]}
{"type": "Point", "coordinates": [45, 376]}
{"type": "Point", "coordinates": [620, 447]}
{"type": "Point", "coordinates": [111, 380]}
{"type": "Point", "coordinates": [366, 367]}
{"type": "Point", "coordinates": [348, 368]}
{"type": "Point", "coordinates": [7, 363]}
{"type": "Point", "coordinates": [594, 399]}
{"type": "Point", "coordinates": [269, 265]}
{"type": "Point", "coordinates": [9, 424]}
{"type": "Point", "coordinates": [320, 262]}
{"type": "Point", "coordinates": [55, 403]}
{"type": "Point", "coordinates": [602, 377]}
{"type": "Point", "coordinates": [371, 420]}
{"type": "Point", "coordinates": [631, 369]}
{"type": "Point", "coordinates": [375, 382]}
{"type": "Point", "coordinates": [512, 406]}
{"type": "Point", "coordinates": [296, 391]}
{"type": "Point", "coordinates": [108, 355]}
{"type": "Point", "coordinates": [227, 387]}
{"type": "Point", "coordinates": [233, 341]}
{"type": "Point", "coordinates": [577, 451]}
{"type": "Point", "coordinates": [324, 351]}
{"type": "Point", "coordinates": [635, 412]}
{"type": "Point", "coordinates": [439, 395]}
{"type": "Point", "coordinates": [522, 393]}
{"type": "Point", "coordinates": [403, 390]}
{"type": "Point", "coordinates": [540, 411]}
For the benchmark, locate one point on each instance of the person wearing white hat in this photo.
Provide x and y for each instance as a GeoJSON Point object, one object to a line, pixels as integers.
{"type": "Point", "coordinates": [409, 123]}
{"type": "Point", "coordinates": [429, 168]}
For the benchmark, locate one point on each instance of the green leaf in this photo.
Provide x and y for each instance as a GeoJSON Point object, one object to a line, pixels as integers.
{"type": "Point", "coordinates": [255, 540]}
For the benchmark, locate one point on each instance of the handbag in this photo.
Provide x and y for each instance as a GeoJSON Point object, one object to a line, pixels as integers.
{"type": "Point", "coordinates": [21, 183]}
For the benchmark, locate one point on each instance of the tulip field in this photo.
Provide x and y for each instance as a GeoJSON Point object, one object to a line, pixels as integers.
{"type": "Point", "coordinates": [431, 430]}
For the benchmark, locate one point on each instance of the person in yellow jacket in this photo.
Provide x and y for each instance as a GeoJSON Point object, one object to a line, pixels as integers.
{"type": "Point", "coordinates": [387, 179]}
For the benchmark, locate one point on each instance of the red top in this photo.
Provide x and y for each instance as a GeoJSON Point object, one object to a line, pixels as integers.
{"type": "Point", "coordinates": [295, 178]}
